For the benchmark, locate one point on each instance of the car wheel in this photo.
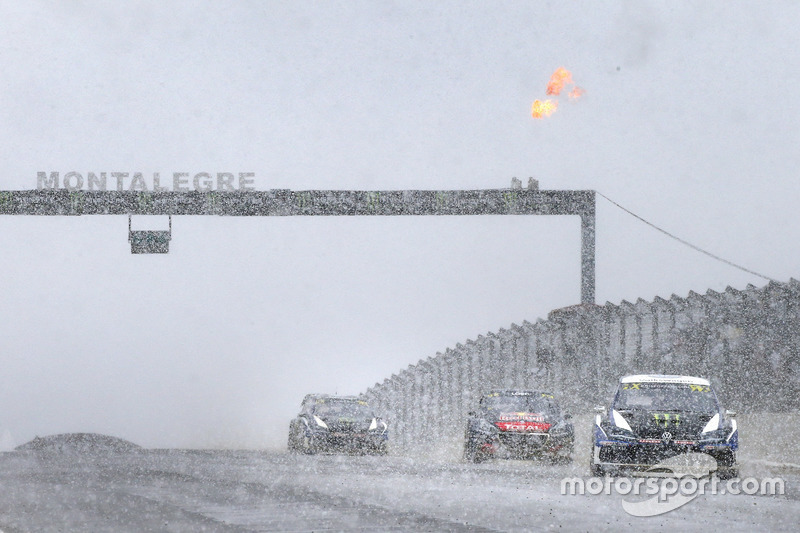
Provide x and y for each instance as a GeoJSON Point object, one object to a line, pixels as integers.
{"type": "Point", "coordinates": [471, 455]}
{"type": "Point", "coordinates": [476, 457]}
{"type": "Point", "coordinates": [595, 469]}
{"type": "Point", "coordinates": [309, 448]}
{"type": "Point", "coordinates": [382, 450]}
{"type": "Point", "coordinates": [729, 472]}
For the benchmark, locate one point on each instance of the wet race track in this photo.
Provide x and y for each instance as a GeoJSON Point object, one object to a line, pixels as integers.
{"type": "Point", "coordinates": [173, 490]}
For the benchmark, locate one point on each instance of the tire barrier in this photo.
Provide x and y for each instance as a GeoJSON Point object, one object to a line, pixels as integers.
{"type": "Point", "coordinates": [745, 341]}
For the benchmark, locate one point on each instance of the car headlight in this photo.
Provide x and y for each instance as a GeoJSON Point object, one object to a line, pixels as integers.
{"type": "Point", "coordinates": [618, 420]}
{"type": "Point", "coordinates": [320, 422]}
{"type": "Point", "coordinates": [712, 424]}
{"type": "Point", "coordinates": [378, 425]}
{"type": "Point", "coordinates": [617, 428]}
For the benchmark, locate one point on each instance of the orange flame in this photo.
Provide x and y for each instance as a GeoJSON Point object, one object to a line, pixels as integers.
{"type": "Point", "coordinates": [543, 108]}
{"type": "Point", "coordinates": [577, 92]}
{"type": "Point", "coordinates": [559, 78]}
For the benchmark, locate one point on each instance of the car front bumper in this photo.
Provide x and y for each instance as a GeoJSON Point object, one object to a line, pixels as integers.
{"type": "Point", "coordinates": [350, 441]}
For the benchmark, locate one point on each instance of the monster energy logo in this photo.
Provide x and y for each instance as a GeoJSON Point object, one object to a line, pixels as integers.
{"type": "Point", "coordinates": [665, 418]}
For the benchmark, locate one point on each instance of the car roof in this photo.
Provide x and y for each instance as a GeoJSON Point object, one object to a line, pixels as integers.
{"type": "Point", "coordinates": [517, 392]}
{"type": "Point", "coordinates": [663, 378]}
{"type": "Point", "coordinates": [332, 397]}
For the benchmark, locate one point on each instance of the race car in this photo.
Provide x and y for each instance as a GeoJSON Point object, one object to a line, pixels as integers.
{"type": "Point", "coordinates": [657, 418]}
{"type": "Point", "coordinates": [519, 424]}
{"type": "Point", "coordinates": [337, 423]}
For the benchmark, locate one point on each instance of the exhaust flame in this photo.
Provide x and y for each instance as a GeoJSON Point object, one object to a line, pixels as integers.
{"type": "Point", "coordinates": [560, 79]}
{"type": "Point", "coordinates": [543, 108]}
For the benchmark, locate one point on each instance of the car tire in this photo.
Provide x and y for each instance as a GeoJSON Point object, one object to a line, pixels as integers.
{"type": "Point", "coordinates": [383, 450]}
{"type": "Point", "coordinates": [291, 443]}
{"type": "Point", "coordinates": [729, 472]}
{"type": "Point", "coordinates": [309, 448]}
{"type": "Point", "coordinates": [471, 455]}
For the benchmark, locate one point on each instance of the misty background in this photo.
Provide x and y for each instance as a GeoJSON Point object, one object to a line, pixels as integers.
{"type": "Point", "coordinates": [689, 119]}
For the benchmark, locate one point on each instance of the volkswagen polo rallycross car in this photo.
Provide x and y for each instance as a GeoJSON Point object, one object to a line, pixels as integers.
{"type": "Point", "coordinates": [518, 424]}
{"type": "Point", "coordinates": [654, 418]}
{"type": "Point", "coordinates": [337, 423]}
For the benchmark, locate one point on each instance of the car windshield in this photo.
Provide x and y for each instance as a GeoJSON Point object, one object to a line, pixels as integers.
{"type": "Point", "coordinates": [342, 408]}
{"type": "Point", "coordinates": [527, 403]}
{"type": "Point", "coordinates": [666, 397]}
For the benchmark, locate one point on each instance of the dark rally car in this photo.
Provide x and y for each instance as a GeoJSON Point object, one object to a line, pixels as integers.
{"type": "Point", "coordinates": [518, 424]}
{"type": "Point", "coordinates": [655, 418]}
{"type": "Point", "coordinates": [337, 423]}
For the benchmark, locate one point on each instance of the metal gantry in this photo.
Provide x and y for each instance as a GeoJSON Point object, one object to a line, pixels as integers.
{"type": "Point", "coordinates": [285, 202]}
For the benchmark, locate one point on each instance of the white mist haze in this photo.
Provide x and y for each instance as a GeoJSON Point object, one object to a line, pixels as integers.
{"type": "Point", "coordinates": [689, 119]}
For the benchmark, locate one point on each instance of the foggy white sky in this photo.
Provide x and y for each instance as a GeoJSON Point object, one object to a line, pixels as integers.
{"type": "Point", "coordinates": [689, 119]}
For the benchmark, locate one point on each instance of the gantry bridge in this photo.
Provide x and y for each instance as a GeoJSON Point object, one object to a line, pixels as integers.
{"type": "Point", "coordinates": [284, 202]}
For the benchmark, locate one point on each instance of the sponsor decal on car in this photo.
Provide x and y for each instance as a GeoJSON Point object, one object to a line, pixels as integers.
{"type": "Point", "coordinates": [523, 426]}
{"type": "Point", "coordinates": [664, 419]}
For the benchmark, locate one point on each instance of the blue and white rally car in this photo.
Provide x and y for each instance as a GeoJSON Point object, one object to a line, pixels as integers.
{"type": "Point", "coordinates": [653, 418]}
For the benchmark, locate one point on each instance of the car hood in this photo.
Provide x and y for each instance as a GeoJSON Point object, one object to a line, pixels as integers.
{"type": "Point", "coordinates": [652, 424]}
{"type": "Point", "coordinates": [346, 424]}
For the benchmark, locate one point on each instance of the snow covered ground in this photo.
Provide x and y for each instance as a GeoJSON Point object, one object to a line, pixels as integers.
{"type": "Point", "coordinates": [235, 491]}
{"type": "Point", "coordinates": [95, 484]}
